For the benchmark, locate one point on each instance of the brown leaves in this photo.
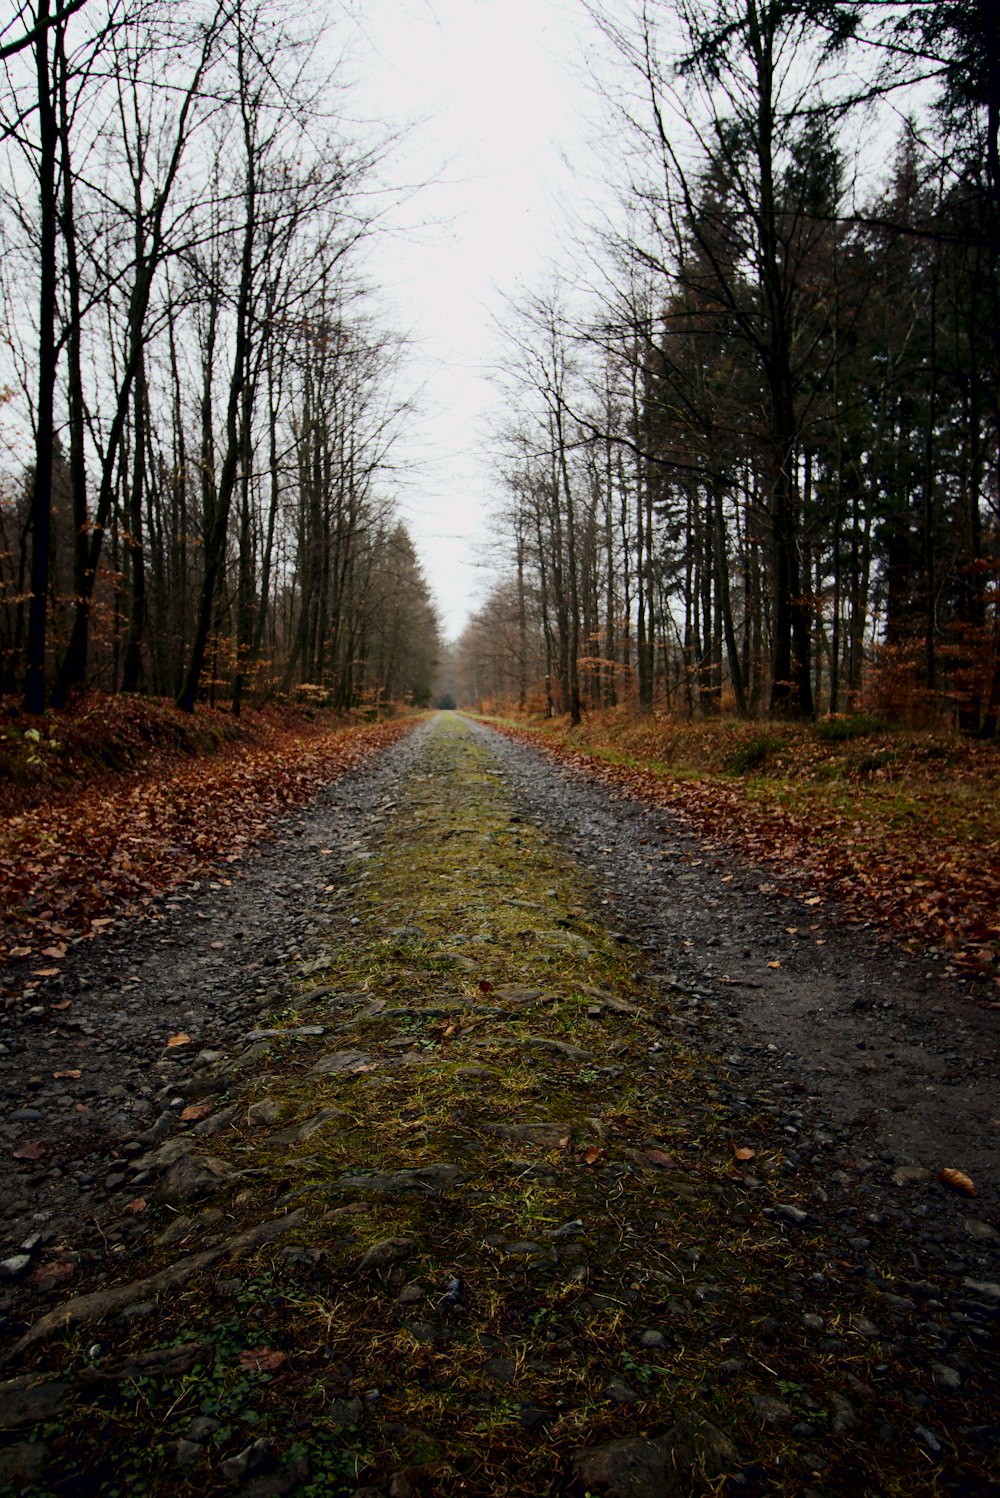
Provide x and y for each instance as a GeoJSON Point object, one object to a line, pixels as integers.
{"type": "Point", "coordinates": [957, 1180]}
{"type": "Point", "coordinates": [178, 1040]}
{"type": "Point", "coordinates": [32, 1149]}
{"type": "Point", "coordinates": [661, 1158]}
{"type": "Point", "coordinates": [262, 1359]}
{"type": "Point", "coordinates": [593, 1154]}
{"type": "Point", "coordinates": [742, 1152]}
{"type": "Point", "coordinates": [75, 866]}
{"type": "Point", "coordinates": [67, 1076]}
{"type": "Point", "coordinates": [195, 1111]}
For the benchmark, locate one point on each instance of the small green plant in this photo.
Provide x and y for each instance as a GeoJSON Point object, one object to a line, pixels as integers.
{"type": "Point", "coordinates": [855, 726]}
{"type": "Point", "coordinates": [752, 755]}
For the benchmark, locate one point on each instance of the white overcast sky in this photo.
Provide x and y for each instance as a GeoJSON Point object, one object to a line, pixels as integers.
{"type": "Point", "coordinates": [498, 101]}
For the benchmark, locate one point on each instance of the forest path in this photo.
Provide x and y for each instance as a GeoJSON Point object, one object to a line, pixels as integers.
{"type": "Point", "coordinates": [475, 1195]}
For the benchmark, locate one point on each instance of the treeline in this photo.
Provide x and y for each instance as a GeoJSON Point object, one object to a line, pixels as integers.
{"type": "Point", "coordinates": [760, 469]}
{"type": "Point", "coordinates": [193, 366]}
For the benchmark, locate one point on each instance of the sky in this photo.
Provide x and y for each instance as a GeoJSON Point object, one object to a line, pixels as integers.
{"type": "Point", "coordinates": [498, 102]}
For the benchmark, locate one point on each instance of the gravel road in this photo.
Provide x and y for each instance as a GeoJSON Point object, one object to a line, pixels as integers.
{"type": "Point", "coordinates": [860, 1053]}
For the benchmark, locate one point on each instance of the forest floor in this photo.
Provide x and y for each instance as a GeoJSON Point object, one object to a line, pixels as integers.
{"type": "Point", "coordinates": [489, 1131]}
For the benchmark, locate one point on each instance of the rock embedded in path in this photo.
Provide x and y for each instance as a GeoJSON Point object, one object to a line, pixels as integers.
{"type": "Point", "coordinates": [656, 1467]}
{"type": "Point", "coordinates": [297, 1133]}
{"type": "Point", "coordinates": [25, 1402]}
{"type": "Point", "coordinates": [337, 1063]}
{"type": "Point", "coordinates": [422, 1180]}
{"type": "Point", "coordinates": [387, 1251]}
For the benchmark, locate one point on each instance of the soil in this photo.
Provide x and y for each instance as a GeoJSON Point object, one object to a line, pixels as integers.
{"type": "Point", "coordinates": [719, 1073]}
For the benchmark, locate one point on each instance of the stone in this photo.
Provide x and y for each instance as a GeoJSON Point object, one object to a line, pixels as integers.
{"type": "Point", "coordinates": [842, 1416]}
{"type": "Point", "coordinates": [24, 1463]}
{"type": "Point", "coordinates": [422, 1180]}
{"type": "Point", "coordinates": [337, 1063]}
{"type": "Point", "coordinates": [16, 1267]}
{"type": "Point", "coordinates": [771, 1410]}
{"type": "Point", "coordinates": [422, 1331]}
{"type": "Point", "coordinates": [298, 1032]}
{"type": "Point", "coordinates": [263, 1112]}
{"type": "Point", "coordinates": [548, 1134]}
{"type": "Point", "coordinates": [24, 1402]}
{"type": "Point", "coordinates": [194, 1176]}
{"type": "Point", "coordinates": [179, 1228]}
{"type": "Point", "coordinates": [166, 1362]}
{"type": "Point", "coordinates": [666, 1466]}
{"type": "Point", "coordinates": [277, 1484]}
{"type": "Point", "coordinates": [986, 1289]}
{"type": "Point", "coordinates": [297, 1133]}
{"type": "Point", "coordinates": [344, 1412]}
{"type": "Point", "coordinates": [945, 1377]}
{"type": "Point", "coordinates": [387, 1251]}
{"type": "Point", "coordinates": [412, 1293]}
{"type": "Point", "coordinates": [202, 1428]}
{"type": "Point", "coordinates": [186, 1453]}
{"type": "Point", "coordinates": [980, 1232]}
{"type": "Point", "coordinates": [792, 1214]}
{"type": "Point", "coordinates": [910, 1175]}
{"type": "Point", "coordinates": [502, 1370]}
{"type": "Point", "coordinates": [620, 1392]}
{"type": "Point", "coordinates": [249, 1462]}
{"type": "Point", "coordinates": [652, 1339]}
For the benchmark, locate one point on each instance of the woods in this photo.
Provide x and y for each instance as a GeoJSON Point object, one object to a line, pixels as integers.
{"type": "Point", "coordinates": [757, 468]}
{"type": "Point", "coordinates": [194, 361]}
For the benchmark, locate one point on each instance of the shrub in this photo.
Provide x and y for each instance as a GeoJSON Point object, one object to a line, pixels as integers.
{"type": "Point", "coordinates": [855, 726]}
{"type": "Point", "coordinates": [753, 754]}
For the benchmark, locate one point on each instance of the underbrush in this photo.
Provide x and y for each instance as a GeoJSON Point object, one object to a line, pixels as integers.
{"type": "Point", "coordinates": [100, 738]}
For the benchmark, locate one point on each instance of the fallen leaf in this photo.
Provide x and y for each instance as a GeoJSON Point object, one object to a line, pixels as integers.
{"type": "Point", "coordinates": [59, 951]}
{"type": "Point", "coordinates": [957, 1180]}
{"type": "Point", "coordinates": [218, 946]}
{"type": "Point", "coordinates": [178, 1039]}
{"type": "Point", "coordinates": [593, 1154]}
{"type": "Point", "coordinates": [63, 1004]}
{"type": "Point", "coordinates": [32, 1150]}
{"type": "Point", "coordinates": [46, 972]}
{"type": "Point", "coordinates": [194, 1111]}
{"type": "Point", "coordinates": [136, 1207]}
{"type": "Point", "coordinates": [774, 964]}
{"type": "Point", "coordinates": [63, 1076]}
{"type": "Point", "coordinates": [20, 951]}
{"type": "Point", "coordinates": [564, 1142]}
{"type": "Point", "coordinates": [485, 986]}
{"type": "Point", "coordinates": [80, 1108]}
{"type": "Point", "coordinates": [261, 1359]}
{"type": "Point", "coordinates": [660, 1157]}
{"type": "Point", "coordinates": [741, 1152]}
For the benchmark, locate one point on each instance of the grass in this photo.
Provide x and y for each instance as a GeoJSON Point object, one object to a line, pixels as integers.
{"type": "Point", "coordinates": [461, 908]}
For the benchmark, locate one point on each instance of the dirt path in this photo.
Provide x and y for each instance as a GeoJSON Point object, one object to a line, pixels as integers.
{"type": "Point", "coordinates": [493, 1141]}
